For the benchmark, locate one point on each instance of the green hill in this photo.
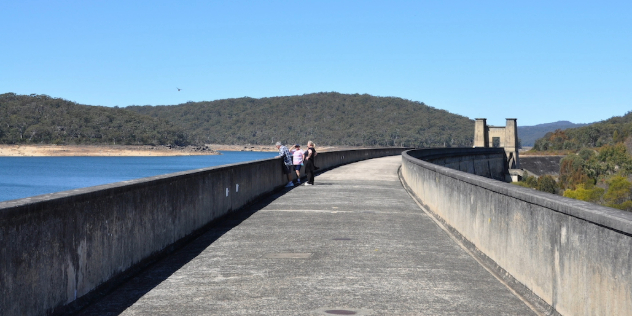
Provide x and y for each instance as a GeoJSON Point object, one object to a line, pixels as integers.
{"type": "Point", "coordinates": [529, 134]}
{"type": "Point", "coordinates": [326, 118]}
{"type": "Point", "coordinates": [598, 166]}
{"type": "Point", "coordinates": [611, 131]}
{"type": "Point", "coordinates": [40, 119]}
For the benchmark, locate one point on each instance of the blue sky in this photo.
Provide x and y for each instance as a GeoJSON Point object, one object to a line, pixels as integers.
{"type": "Point", "coordinates": [538, 61]}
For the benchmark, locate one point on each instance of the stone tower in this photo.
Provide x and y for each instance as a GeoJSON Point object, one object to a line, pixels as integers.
{"type": "Point", "coordinates": [499, 136]}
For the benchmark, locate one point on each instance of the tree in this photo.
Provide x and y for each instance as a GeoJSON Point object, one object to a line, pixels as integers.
{"type": "Point", "coordinates": [546, 183]}
{"type": "Point", "coordinates": [572, 172]}
{"type": "Point", "coordinates": [615, 159]}
{"type": "Point", "coordinates": [618, 191]}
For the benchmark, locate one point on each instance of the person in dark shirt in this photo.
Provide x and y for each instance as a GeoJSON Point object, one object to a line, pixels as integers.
{"type": "Point", "coordinates": [310, 156]}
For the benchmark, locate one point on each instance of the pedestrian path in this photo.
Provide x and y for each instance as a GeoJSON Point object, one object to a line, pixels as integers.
{"type": "Point", "coordinates": [353, 244]}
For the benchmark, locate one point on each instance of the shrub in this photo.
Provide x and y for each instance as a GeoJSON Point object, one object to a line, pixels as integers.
{"type": "Point", "coordinates": [618, 191]}
{"type": "Point", "coordinates": [593, 194]}
{"type": "Point", "coordinates": [546, 183]}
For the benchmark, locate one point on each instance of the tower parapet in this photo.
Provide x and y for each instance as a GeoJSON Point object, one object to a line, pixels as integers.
{"type": "Point", "coordinates": [499, 136]}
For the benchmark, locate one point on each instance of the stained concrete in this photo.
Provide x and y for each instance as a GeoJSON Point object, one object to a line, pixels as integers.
{"type": "Point", "coordinates": [568, 257]}
{"type": "Point", "coordinates": [354, 242]}
{"type": "Point", "coordinates": [541, 165]}
{"type": "Point", "coordinates": [59, 251]}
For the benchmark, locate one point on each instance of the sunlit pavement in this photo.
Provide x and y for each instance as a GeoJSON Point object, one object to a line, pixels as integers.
{"type": "Point", "coordinates": [355, 243]}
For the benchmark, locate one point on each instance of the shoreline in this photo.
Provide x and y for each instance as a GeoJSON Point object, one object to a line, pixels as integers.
{"type": "Point", "coordinates": [130, 150]}
{"type": "Point", "coordinates": [101, 151]}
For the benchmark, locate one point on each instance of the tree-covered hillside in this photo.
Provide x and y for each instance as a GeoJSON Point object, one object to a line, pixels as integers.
{"type": "Point", "coordinates": [325, 118]}
{"type": "Point", "coordinates": [529, 134]}
{"type": "Point", "coordinates": [40, 119]}
{"type": "Point", "coordinates": [598, 167]}
{"type": "Point", "coordinates": [608, 132]}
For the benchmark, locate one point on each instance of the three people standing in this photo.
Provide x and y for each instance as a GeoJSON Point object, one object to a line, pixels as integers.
{"type": "Point", "coordinates": [295, 158]}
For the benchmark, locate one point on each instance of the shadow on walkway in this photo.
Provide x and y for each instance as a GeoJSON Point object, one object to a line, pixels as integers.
{"type": "Point", "coordinates": [129, 290]}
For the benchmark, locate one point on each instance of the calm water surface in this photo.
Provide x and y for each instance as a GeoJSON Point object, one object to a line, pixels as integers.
{"type": "Point", "coordinates": [22, 177]}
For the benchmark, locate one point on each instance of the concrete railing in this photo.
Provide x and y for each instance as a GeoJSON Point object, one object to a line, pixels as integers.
{"type": "Point", "coordinates": [57, 248]}
{"type": "Point", "coordinates": [486, 162]}
{"type": "Point", "coordinates": [564, 256]}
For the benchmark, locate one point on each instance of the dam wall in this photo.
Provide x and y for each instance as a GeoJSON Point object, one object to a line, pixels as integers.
{"type": "Point", "coordinates": [563, 256]}
{"type": "Point", "coordinates": [541, 165]}
{"type": "Point", "coordinates": [61, 248]}
{"type": "Point", "coordinates": [485, 162]}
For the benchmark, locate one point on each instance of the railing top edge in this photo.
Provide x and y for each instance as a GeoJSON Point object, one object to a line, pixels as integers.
{"type": "Point", "coordinates": [79, 192]}
{"type": "Point", "coordinates": [367, 149]}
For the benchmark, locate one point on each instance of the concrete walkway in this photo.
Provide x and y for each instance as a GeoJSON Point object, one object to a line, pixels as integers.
{"type": "Point", "coordinates": [354, 244]}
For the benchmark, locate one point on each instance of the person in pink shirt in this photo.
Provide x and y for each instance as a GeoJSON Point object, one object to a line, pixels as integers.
{"type": "Point", "coordinates": [297, 160]}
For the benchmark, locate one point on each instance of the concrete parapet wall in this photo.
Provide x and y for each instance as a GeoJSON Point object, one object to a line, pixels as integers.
{"type": "Point", "coordinates": [58, 247]}
{"type": "Point", "coordinates": [486, 162]}
{"type": "Point", "coordinates": [573, 255]}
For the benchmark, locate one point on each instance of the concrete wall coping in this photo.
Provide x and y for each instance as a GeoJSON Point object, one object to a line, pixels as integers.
{"type": "Point", "coordinates": [614, 219]}
{"type": "Point", "coordinates": [437, 153]}
{"type": "Point", "coordinates": [104, 189]}
{"type": "Point", "coordinates": [6, 207]}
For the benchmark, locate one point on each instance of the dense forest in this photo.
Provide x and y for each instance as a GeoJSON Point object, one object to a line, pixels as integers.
{"type": "Point", "coordinates": [325, 118]}
{"type": "Point", "coordinates": [40, 119]}
{"type": "Point", "coordinates": [598, 167]}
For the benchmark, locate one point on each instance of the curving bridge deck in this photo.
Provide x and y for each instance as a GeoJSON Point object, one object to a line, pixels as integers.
{"type": "Point", "coordinates": [355, 243]}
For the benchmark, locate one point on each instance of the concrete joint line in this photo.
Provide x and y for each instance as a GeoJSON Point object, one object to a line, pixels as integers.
{"type": "Point", "coordinates": [309, 211]}
{"type": "Point", "coordinates": [289, 255]}
{"type": "Point", "coordinates": [334, 211]}
{"type": "Point", "coordinates": [344, 311]}
{"type": "Point", "coordinates": [535, 303]}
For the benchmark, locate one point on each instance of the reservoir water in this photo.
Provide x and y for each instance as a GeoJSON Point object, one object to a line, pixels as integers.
{"type": "Point", "coordinates": [22, 177]}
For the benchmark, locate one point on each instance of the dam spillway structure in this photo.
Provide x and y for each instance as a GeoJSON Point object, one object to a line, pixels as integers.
{"type": "Point", "coordinates": [486, 136]}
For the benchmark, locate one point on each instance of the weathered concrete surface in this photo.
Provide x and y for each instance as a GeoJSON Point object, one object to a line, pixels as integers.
{"type": "Point", "coordinates": [355, 241]}
{"type": "Point", "coordinates": [57, 250]}
{"type": "Point", "coordinates": [541, 165]}
{"type": "Point", "coordinates": [487, 162]}
{"type": "Point", "coordinates": [573, 255]}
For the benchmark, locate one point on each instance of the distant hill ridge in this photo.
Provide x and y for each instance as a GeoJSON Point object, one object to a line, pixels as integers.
{"type": "Point", "coordinates": [326, 118]}
{"type": "Point", "coordinates": [614, 130]}
{"type": "Point", "coordinates": [529, 134]}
